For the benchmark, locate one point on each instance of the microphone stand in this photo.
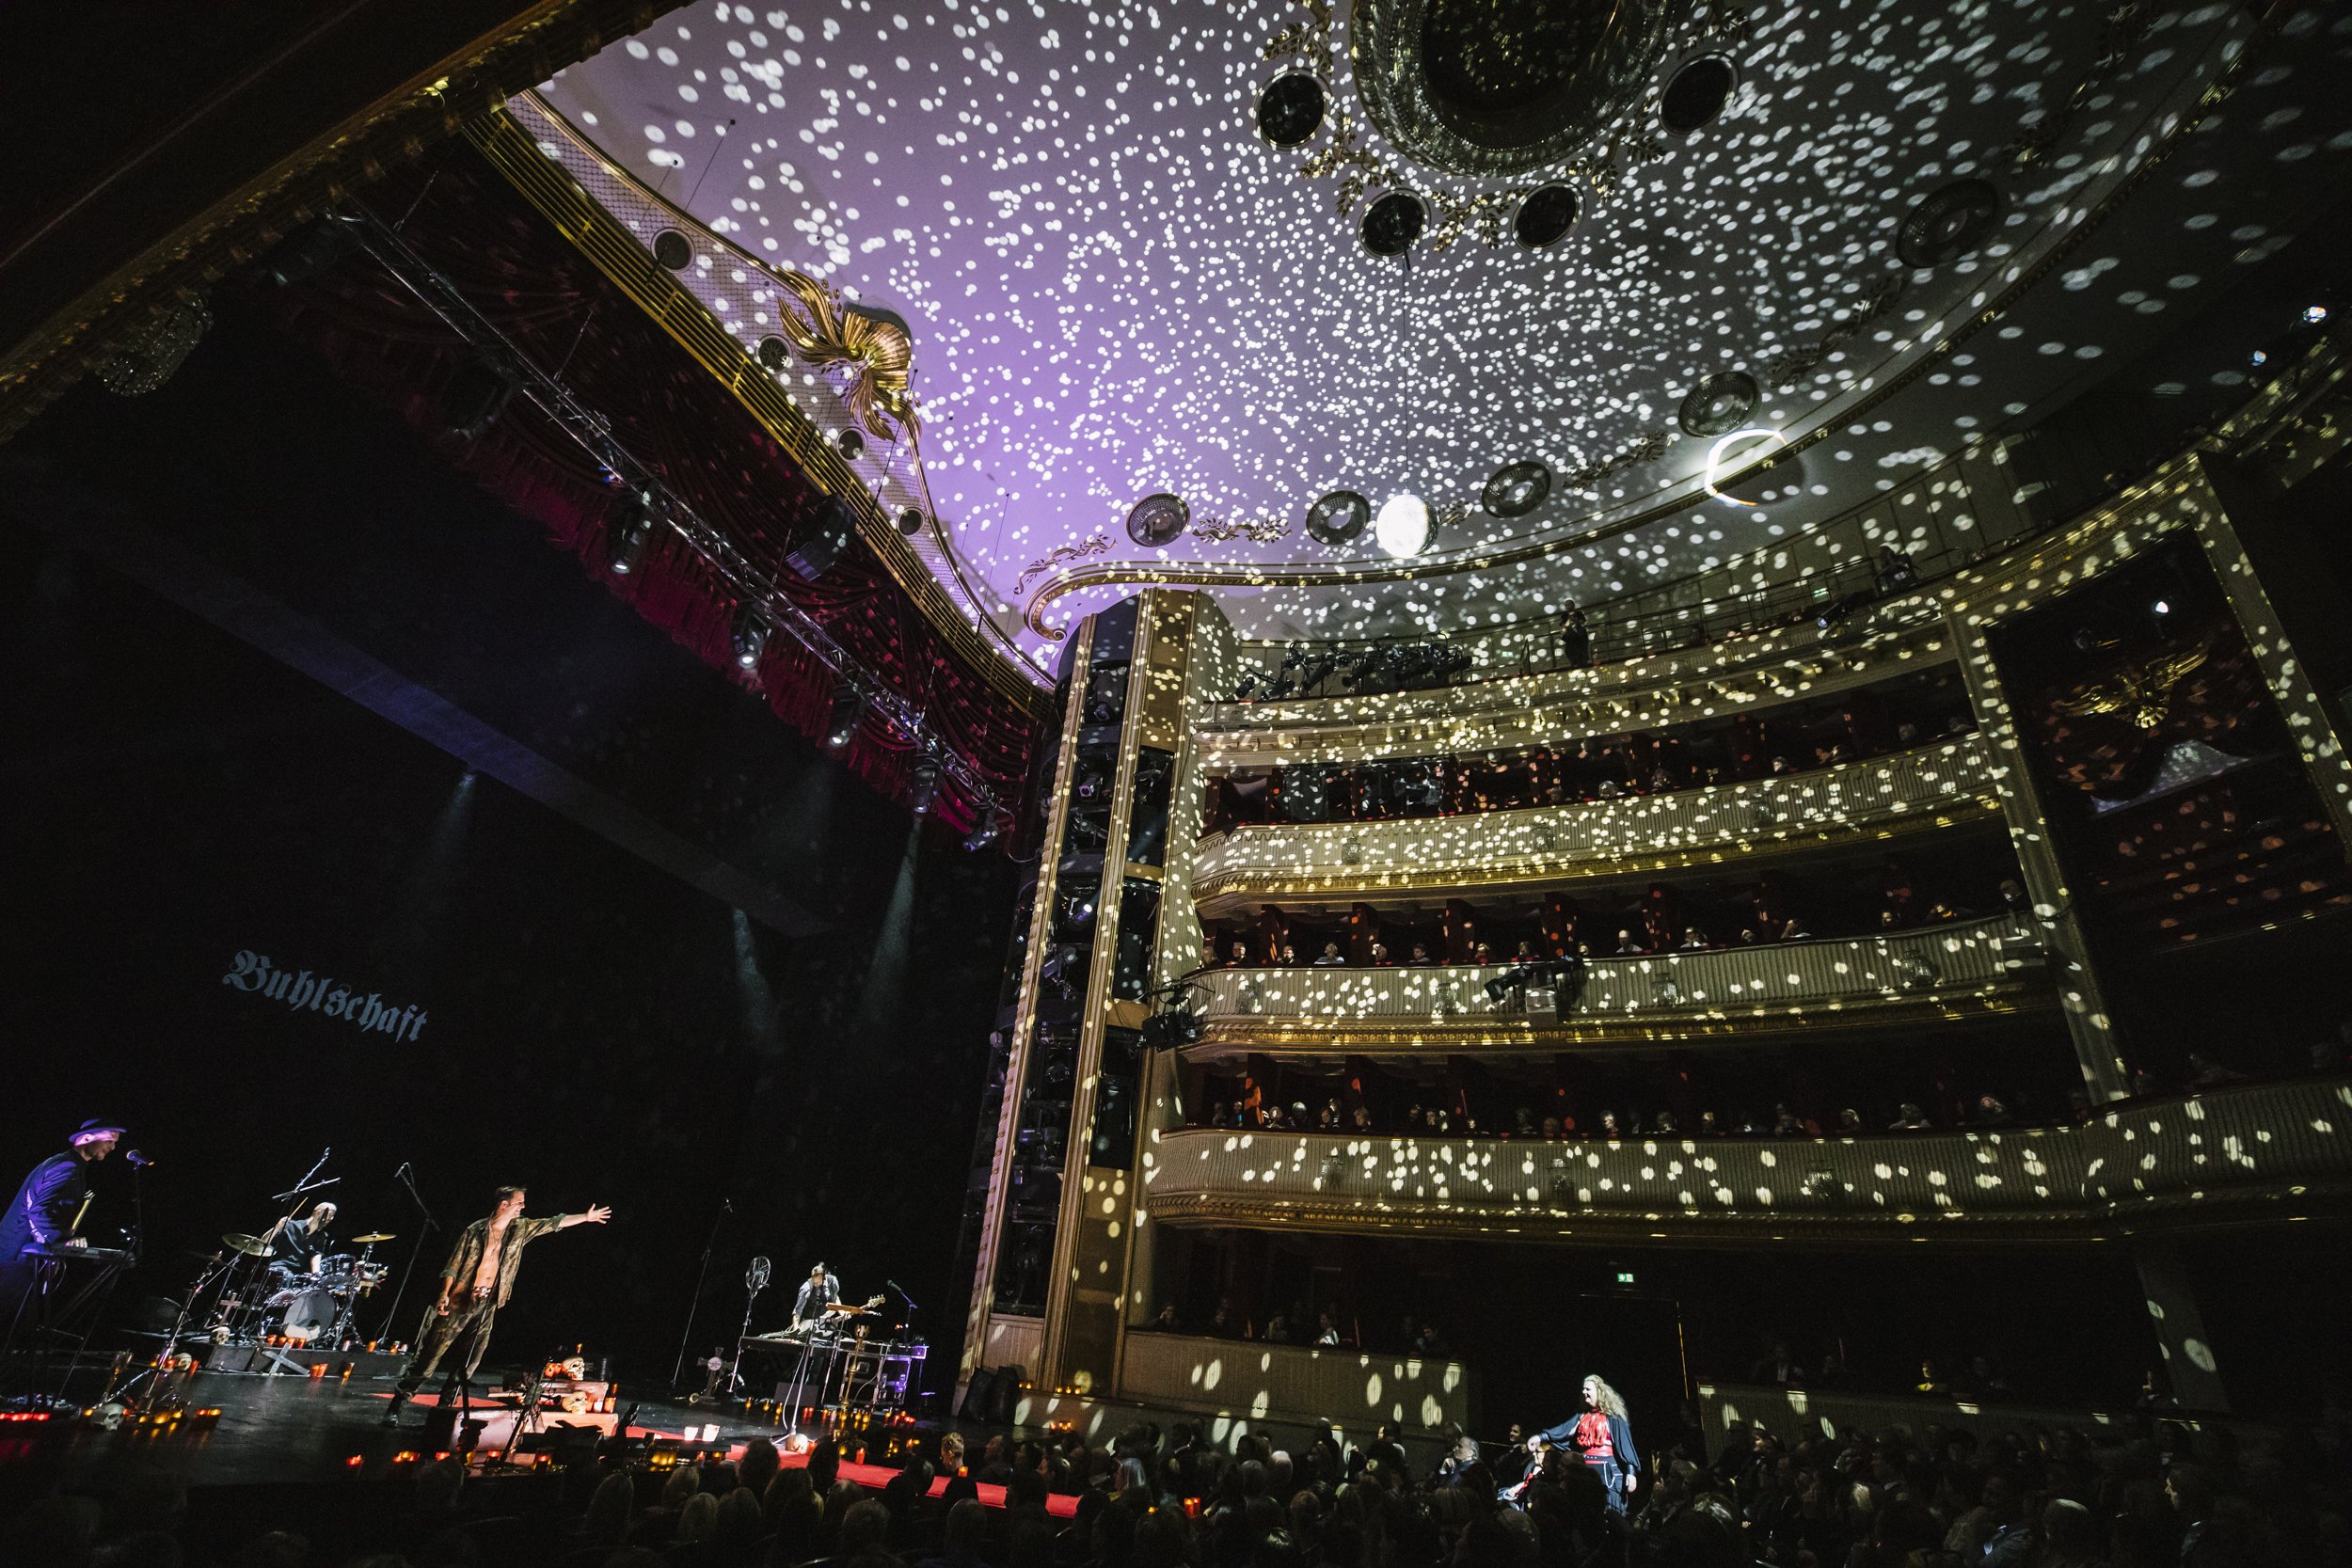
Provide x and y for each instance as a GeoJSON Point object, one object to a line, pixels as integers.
{"type": "Point", "coordinates": [431, 1225]}
{"type": "Point", "coordinates": [912, 1310]}
{"type": "Point", "coordinates": [726, 1206]}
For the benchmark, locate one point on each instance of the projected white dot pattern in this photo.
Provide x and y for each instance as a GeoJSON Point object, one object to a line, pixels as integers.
{"type": "Point", "coordinates": [1115, 289]}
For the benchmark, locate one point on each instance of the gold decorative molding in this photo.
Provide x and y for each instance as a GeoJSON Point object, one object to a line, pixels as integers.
{"type": "Point", "coordinates": [250, 220]}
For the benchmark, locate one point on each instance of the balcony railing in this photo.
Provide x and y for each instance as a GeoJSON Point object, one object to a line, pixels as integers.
{"type": "Point", "coordinates": [1255, 1381]}
{"type": "Point", "coordinates": [1439, 855]}
{"type": "Point", "coordinates": [1993, 965]}
{"type": "Point", "coordinates": [2275, 1150]}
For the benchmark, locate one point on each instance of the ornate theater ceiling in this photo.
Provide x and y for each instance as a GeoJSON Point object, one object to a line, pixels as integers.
{"type": "Point", "coordinates": [1538, 264]}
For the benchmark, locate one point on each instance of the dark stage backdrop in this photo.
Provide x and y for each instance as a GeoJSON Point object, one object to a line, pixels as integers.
{"type": "Point", "coordinates": [589, 1025]}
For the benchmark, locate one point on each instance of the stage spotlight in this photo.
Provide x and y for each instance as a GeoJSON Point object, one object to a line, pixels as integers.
{"type": "Point", "coordinates": [751, 636]}
{"type": "Point", "coordinates": [638, 513]}
{"type": "Point", "coordinates": [923, 783]}
{"type": "Point", "coordinates": [983, 832]}
{"type": "Point", "coordinates": [2162, 608]}
{"type": "Point", "coordinates": [2258, 359]}
{"type": "Point", "coordinates": [830, 534]}
{"type": "Point", "coordinates": [848, 709]}
{"type": "Point", "coordinates": [473, 399]}
{"type": "Point", "coordinates": [2314, 315]}
{"type": "Point", "coordinates": [1403, 527]}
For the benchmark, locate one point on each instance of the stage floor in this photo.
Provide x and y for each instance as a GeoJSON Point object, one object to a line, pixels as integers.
{"type": "Point", "coordinates": [278, 1430]}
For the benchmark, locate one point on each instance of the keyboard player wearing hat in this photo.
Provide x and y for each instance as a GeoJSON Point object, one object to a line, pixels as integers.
{"type": "Point", "coordinates": [47, 1210]}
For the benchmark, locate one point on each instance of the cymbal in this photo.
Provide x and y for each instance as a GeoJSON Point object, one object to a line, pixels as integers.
{"type": "Point", "coordinates": [376, 1236]}
{"type": "Point", "coordinates": [252, 1246]}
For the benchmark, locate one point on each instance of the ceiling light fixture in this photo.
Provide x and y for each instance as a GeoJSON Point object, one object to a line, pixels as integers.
{"type": "Point", "coordinates": [849, 708]}
{"type": "Point", "coordinates": [751, 636]}
{"type": "Point", "coordinates": [1403, 527]}
{"type": "Point", "coordinates": [1716, 452]}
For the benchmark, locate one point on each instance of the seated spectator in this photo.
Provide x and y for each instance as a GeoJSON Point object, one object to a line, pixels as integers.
{"type": "Point", "coordinates": [1421, 957]}
{"type": "Point", "coordinates": [1694, 940]}
{"type": "Point", "coordinates": [1785, 1124]}
{"type": "Point", "coordinates": [1290, 955]}
{"type": "Point", "coordinates": [1850, 1123]}
{"type": "Point", "coordinates": [2206, 1074]}
{"type": "Point", "coordinates": [1238, 958]}
{"type": "Point", "coordinates": [1380, 958]}
{"type": "Point", "coordinates": [1330, 958]}
{"type": "Point", "coordinates": [1663, 1124]}
{"type": "Point", "coordinates": [1166, 1323]}
{"type": "Point", "coordinates": [1992, 1111]}
{"type": "Point", "coordinates": [1910, 1118]}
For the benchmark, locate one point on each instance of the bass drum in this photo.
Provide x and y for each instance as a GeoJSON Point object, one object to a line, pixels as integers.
{"type": "Point", "coordinates": [308, 1316]}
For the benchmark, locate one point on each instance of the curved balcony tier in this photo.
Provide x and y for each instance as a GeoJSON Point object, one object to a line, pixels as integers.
{"type": "Point", "coordinates": [2270, 1151]}
{"type": "Point", "coordinates": [1431, 858]}
{"type": "Point", "coordinates": [1561, 706]}
{"type": "Point", "coordinates": [1967, 969]}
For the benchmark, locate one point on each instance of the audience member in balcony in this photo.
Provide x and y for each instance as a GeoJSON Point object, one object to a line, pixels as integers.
{"type": "Point", "coordinates": [2206, 1074]}
{"type": "Point", "coordinates": [1796, 929]}
{"type": "Point", "coordinates": [1380, 958]}
{"type": "Point", "coordinates": [1850, 1123]}
{"type": "Point", "coordinates": [1694, 940]}
{"type": "Point", "coordinates": [1711, 1125]}
{"type": "Point", "coordinates": [1748, 937]}
{"type": "Point", "coordinates": [1421, 958]}
{"type": "Point", "coordinates": [1575, 638]}
{"type": "Point", "coordinates": [1224, 1324]}
{"type": "Point", "coordinates": [1992, 1111]}
{"type": "Point", "coordinates": [1330, 958]}
{"type": "Point", "coordinates": [1627, 946]}
{"type": "Point", "coordinates": [1482, 954]}
{"type": "Point", "coordinates": [1608, 1128]}
{"type": "Point", "coordinates": [1361, 1120]}
{"type": "Point", "coordinates": [1166, 1323]}
{"type": "Point", "coordinates": [1778, 1368]}
{"type": "Point", "coordinates": [1290, 955]}
{"type": "Point", "coordinates": [1238, 957]}
{"type": "Point", "coordinates": [1786, 1123]}
{"type": "Point", "coordinates": [1663, 1125]}
{"type": "Point", "coordinates": [1910, 1118]}
{"type": "Point", "coordinates": [1330, 1120]}
{"type": "Point", "coordinates": [1327, 1329]}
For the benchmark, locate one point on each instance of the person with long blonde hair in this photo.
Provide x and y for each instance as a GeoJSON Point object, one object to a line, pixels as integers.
{"type": "Point", "coordinates": [1602, 1436]}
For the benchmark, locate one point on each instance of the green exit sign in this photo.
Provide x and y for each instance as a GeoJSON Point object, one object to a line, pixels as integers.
{"type": "Point", "coordinates": [1625, 1276]}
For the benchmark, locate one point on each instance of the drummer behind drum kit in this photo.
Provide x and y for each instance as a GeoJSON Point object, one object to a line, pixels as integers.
{"type": "Point", "coordinates": [267, 1301]}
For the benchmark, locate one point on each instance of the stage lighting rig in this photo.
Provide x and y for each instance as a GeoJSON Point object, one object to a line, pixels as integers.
{"type": "Point", "coordinates": [750, 638]}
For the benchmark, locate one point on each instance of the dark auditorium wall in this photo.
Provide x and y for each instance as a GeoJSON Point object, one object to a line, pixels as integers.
{"type": "Point", "coordinates": [594, 1027]}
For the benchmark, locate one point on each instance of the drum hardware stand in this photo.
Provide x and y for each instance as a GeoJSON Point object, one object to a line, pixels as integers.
{"type": "Point", "coordinates": [391, 1315]}
{"type": "Point", "coordinates": [756, 1279]}
{"type": "Point", "coordinates": [213, 1271]}
{"type": "Point", "coordinates": [726, 1206]}
{"type": "Point", "coordinates": [530, 1416]}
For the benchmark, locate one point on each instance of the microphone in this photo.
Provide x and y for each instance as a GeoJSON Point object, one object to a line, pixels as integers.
{"type": "Point", "coordinates": [401, 1172]}
{"type": "Point", "coordinates": [136, 1161]}
{"type": "Point", "coordinates": [726, 1205]}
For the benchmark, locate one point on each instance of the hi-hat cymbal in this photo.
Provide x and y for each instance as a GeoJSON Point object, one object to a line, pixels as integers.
{"type": "Point", "coordinates": [252, 1246]}
{"type": "Point", "coordinates": [375, 1236]}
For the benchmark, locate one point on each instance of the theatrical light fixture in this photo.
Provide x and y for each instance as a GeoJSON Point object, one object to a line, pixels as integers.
{"type": "Point", "coordinates": [2258, 357]}
{"type": "Point", "coordinates": [1402, 526]}
{"type": "Point", "coordinates": [2162, 608]}
{"type": "Point", "coordinates": [2315, 315]}
{"type": "Point", "coordinates": [849, 708]}
{"type": "Point", "coordinates": [673, 250]}
{"type": "Point", "coordinates": [910, 520]}
{"type": "Point", "coordinates": [1158, 519]}
{"type": "Point", "coordinates": [638, 513]}
{"type": "Point", "coordinates": [983, 831]}
{"type": "Point", "coordinates": [923, 782]}
{"type": "Point", "coordinates": [1716, 453]}
{"type": "Point", "coordinates": [851, 441]}
{"type": "Point", "coordinates": [751, 636]}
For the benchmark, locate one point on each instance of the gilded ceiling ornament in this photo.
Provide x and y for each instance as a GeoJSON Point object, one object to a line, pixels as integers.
{"type": "Point", "coordinates": [1094, 544]}
{"type": "Point", "coordinates": [2125, 25]}
{"type": "Point", "coordinates": [1648, 448]}
{"type": "Point", "coordinates": [2143, 695]}
{"type": "Point", "coordinates": [1263, 530]}
{"type": "Point", "coordinates": [1790, 365]}
{"type": "Point", "coordinates": [877, 352]}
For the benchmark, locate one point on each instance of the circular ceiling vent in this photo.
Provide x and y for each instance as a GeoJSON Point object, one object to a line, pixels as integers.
{"type": "Point", "coordinates": [1720, 403]}
{"type": "Point", "coordinates": [774, 353]}
{"type": "Point", "coordinates": [673, 250]}
{"type": "Point", "coordinates": [1948, 223]}
{"type": "Point", "coordinates": [1516, 489]}
{"type": "Point", "coordinates": [1291, 109]}
{"type": "Point", "coordinates": [1545, 215]}
{"type": "Point", "coordinates": [1338, 517]}
{"type": "Point", "coordinates": [1158, 520]}
{"type": "Point", "coordinates": [1392, 223]}
{"type": "Point", "coordinates": [1696, 93]}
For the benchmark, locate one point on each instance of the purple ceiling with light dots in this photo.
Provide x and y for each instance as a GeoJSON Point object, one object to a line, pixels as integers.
{"type": "Point", "coordinates": [1119, 287]}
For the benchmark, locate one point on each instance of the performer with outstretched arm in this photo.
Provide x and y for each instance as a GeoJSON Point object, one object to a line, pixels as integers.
{"type": "Point", "coordinates": [1603, 1438]}
{"type": "Point", "coordinates": [475, 1283]}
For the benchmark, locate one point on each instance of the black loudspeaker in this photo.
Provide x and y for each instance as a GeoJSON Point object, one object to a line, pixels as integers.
{"type": "Point", "coordinates": [814, 556]}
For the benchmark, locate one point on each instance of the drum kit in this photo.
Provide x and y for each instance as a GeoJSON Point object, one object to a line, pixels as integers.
{"type": "Point", "coordinates": [265, 1299]}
